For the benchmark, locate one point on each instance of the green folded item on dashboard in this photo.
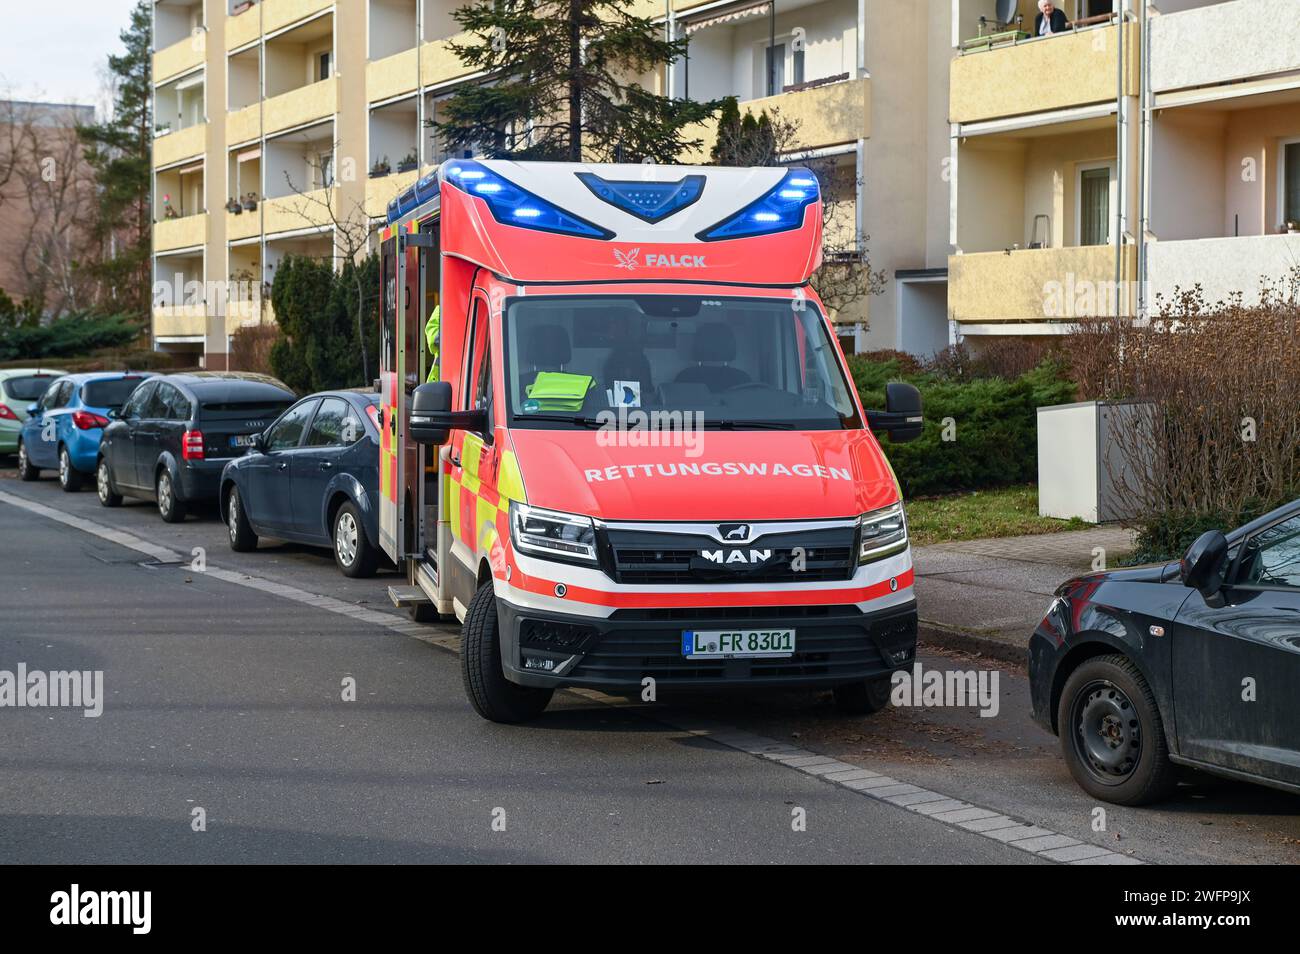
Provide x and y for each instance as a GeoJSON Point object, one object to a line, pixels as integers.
{"type": "Point", "coordinates": [559, 390]}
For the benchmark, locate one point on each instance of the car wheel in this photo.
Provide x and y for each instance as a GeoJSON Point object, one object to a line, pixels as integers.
{"type": "Point", "coordinates": [242, 536]}
{"type": "Point", "coordinates": [493, 696]}
{"type": "Point", "coordinates": [104, 485]}
{"type": "Point", "coordinates": [1112, 735]}
{"type": "Point", "coordinates": [169, 508]}
{"type": "Point", "coordinates": [864, 697]}
{"type": "Point", "coordinates": [25, 469]}
{"type": "Point", "coordinates": [69, 476]}
{"type": "Point", "coordinates": [352, 550]}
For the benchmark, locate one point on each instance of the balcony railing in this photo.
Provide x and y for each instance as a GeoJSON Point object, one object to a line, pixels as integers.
{"type": "Point", "coordinates": [188, 232]}
{"type": "Point", "coordinates": [300, 106]}
{"type": "Point", "coordinates": [1222, 267]}
{"type": "Point", "coordinates": [180, 57]}
{"type": "Point", "coordinates": [392, 76]}
{"type": "Point", "coordinates": [1037, 285]}
{"type": "Point", "coordinates": [293, 212]}
{"type": "Point", "coordinates": [179, 145]}
{"type": "Point", "coordinates": [1222, 43]}
{"type": "Point", "coordinates": [1042, 74]}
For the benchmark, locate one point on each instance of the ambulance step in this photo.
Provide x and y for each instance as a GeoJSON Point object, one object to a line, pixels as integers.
{"type": "Point", "coordinates": [408, 596]}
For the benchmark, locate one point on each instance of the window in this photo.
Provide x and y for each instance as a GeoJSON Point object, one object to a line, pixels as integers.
{"type": "Point", "coordinates": [135, 404]}
{"type": "Point", "coordinates": [1272, 557]}
{"type": "Point", "coordinates": [175, 403]}
{"type": "Point", "coordinates": [326, 166]}
{"type": "Point", "coordinates": [774, 64]}
{"type": "Point", "coordinates": [112, 392]}
{"type": "Point", "coordinates": [483, 388]}
{"type": "Point", "coordinates": [50, 399]}
{"type": "Point", "coordinates": [324, 60]}
{"type": "Point", "coordinates": [1290, 182]}
{"type": "Point", "coordinates": [287, 431]}
{"type": "Point", "coordinates": [159, 406]}
{"type": "Point", "coordinates": [327, 428]}
{"type": "Point", "coordinates": [1096, 185]}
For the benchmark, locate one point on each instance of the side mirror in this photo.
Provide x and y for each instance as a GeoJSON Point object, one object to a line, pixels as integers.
{"type": "Point", "coordinates": [259, 442]}
{"type": "Point", "coordinates": [33, 409]}
{"type": "Point", "coordinates": [432, 419]}
{"type": "Point", "coordinates": [112, 414]}
{"type": "Point", "coordinates": [902, 417]}
{"type": "Point", "coordinates": [1202, 566]}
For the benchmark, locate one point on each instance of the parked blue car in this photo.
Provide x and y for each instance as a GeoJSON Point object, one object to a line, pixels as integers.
{"type": "Point", "coordinates": [311, 477]}
{"type": "Point", "coordinates": [64, 427]}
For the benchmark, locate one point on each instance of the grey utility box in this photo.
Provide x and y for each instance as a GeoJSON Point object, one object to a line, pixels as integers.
{"type": "Point", "coordinates": [1081, 471]}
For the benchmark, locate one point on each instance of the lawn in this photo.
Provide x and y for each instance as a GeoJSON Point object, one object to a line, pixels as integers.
{"type": "Point", "coordinates": [1002, 512]}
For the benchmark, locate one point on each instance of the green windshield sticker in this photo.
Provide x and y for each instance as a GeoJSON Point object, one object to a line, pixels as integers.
{"type": "Point", "coordinates": [559, 390]}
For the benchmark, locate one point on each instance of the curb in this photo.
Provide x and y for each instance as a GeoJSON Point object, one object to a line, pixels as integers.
{"type": "Point", "coordinates": [948, 637]}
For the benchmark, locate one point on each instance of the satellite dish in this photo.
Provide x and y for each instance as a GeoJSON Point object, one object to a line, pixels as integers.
{"type": "Point", "coordinates": [1006, 10]}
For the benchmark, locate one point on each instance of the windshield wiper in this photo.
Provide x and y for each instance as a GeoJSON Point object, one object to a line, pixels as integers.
{"type": "Point", "coordinates": [560, 419]}
{"type": "Point", "coordinates": [730, 425]}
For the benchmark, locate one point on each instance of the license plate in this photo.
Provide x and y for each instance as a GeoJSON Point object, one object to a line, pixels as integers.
{"type": "Point", "coordinates": [241, 440]}
{"type": "Point", "coordinates": [737, 643]}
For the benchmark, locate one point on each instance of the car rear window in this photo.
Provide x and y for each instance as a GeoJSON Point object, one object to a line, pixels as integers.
{"type": "Point", "coordinates": [112, 392]}
{"type": "Point", "coordinates": [28, 388]}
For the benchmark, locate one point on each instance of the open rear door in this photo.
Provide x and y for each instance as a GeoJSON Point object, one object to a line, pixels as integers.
{"type": "Point", "coordinates": [390, 265]}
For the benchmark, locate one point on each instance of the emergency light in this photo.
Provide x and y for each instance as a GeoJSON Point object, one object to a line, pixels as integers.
{"type": "Point", "coordinates": [511, 205]}
{"type": "Point", "coordinates": [648, 201]}
{"type": "Point", "coordinates": [778, 210]}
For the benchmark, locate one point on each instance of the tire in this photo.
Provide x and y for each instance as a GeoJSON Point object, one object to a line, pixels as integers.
{"type": "Point", "coordinates": [25, 469]}
{"type": "Point", "coordinates": [1111, 733]}
{"type": "Point", "coordinates": [169, 507]}
{"type": "Point", "coordinates": [494, 697]}
{"type": "Point", "coordinates": [863, 698]}
{"type": "Point", "coordinates": [243, 539]}
{"type": "Point", "coordinates": [423, 613]}
{"type": "Point", "coordinates": [104, 485]}
{"type": "Point", "coordinates": [70, 478]}
{"type": "Point", "coordinates": [353, 551]}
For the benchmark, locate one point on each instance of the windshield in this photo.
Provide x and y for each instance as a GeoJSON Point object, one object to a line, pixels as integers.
{"type": "Point", "coordinates": [743, 363]}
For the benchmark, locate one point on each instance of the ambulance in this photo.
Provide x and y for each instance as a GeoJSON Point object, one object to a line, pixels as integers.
{"type": "Point", "coordinates": [641, 465]}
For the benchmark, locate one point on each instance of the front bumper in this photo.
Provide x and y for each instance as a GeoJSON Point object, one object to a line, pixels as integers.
{"type": "Point", "coordinates": [835, 645]}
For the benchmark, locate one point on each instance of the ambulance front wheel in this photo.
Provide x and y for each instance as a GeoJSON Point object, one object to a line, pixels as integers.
{"type": "Point", "coordinates": [863, 698]}
{"type": "Point", "coordinates": [493, 696]}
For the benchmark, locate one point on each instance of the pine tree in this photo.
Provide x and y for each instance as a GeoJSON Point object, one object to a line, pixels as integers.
{"type": "Point", "coordinates": [118, 151]}
{"type": "Point", "coordinates": [564, 81]}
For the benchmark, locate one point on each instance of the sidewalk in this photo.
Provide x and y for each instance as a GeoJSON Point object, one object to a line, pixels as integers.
{"type": "Point", "coordinates": [988, 595]}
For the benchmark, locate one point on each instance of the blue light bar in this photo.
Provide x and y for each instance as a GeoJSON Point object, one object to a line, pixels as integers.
{"type": "Point", "coordinates": [511, 205]}
{"type": "Point", "coordinates": [778, 210]}
{"type": "Point", "coordinates": [648, 201]}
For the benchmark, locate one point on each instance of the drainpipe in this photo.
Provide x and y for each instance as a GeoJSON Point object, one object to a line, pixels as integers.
{"type": "Point", "coordinates": [1144, 157]}
{"type": "Point", "coordinates": [771, 49]}
{"type": "Point", "coordinates": [1120, 167]}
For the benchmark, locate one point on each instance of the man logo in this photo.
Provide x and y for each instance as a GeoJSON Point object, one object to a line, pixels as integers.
{"type": "Point", "coordinates": [627, 260]}
{"type": "Point", "coordinates": [734, 531]}
{"type": "Point", "coordinates": [730, 557]}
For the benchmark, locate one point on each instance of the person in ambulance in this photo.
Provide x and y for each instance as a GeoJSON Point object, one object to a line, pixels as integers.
{"type": "Point", "coordinates": [654, 486]}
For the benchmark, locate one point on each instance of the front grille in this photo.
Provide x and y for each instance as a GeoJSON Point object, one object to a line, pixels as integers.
{"type": "Point", "coordinates": [806, 556]}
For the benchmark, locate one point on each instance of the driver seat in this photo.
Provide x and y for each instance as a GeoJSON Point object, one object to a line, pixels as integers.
{"type": "Point", "coordinates": [714, 342]}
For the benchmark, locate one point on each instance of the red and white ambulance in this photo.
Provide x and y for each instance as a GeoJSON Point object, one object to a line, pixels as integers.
{"type": "Point", "coordinates": [645, 466]}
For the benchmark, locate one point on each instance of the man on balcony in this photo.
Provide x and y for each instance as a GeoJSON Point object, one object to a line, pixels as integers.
{"type": "Point", "coordinates": [1049, 20]}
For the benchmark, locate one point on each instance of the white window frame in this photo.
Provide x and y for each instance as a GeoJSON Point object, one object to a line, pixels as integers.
{"type": "Point", "coordinates": [1112, 198]}
{"type": "Point", "coordinates": [1281, 180]}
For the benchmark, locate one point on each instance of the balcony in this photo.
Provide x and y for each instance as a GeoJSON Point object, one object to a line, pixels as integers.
{"type": "Point", "coordinates": [245, 225]}
{"type": "Point", "coordinates": [295, 212]}
{"type": "Point", "coordinates": [180, 321]}
{"type": "Point", "coordinates": [187, 232]}
{"type": "Point", "coordinates": [1222, 43]}
{"type": "Point", "coordinates": [244, 125]}
{"type": "Point", "coordinates": [1222, 267]}
{"type": "Point", "coordinates": [300, 106]}
{"type": "Point", "coordinates": [438, 64]}
{"type": "Point", "coordinates": [268, 17]}
{"type": "Point", "coordinates": [180, 145]}
{"type": "Point", "coordinates": [1052, 284]}
{"type": "Point", "coordinates": [1041, 75]}
{"type": "Point", "coordinates": [827, 114]}
{"type": "Point", "coordinates": [180, 57]}
{"type": "Point", "coordinates": [392, 76]}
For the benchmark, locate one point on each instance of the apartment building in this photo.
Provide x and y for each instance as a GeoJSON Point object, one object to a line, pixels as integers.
{"type": "Point", "coordinates": [1153, 149]}
{"type": "Point", "coordinates": [282, 121]}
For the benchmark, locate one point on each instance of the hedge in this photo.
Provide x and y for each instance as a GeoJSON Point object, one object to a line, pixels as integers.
{"type": "Point", "coordinates": [993, 425]}
{"type": "Point", "coordinates": [71, 335]}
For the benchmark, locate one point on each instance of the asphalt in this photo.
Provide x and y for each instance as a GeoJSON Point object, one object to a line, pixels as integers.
{"type": "Point", "coordinates": [228, 698]}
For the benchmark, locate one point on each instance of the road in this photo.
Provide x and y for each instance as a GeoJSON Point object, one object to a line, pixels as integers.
{"type": "Point", "coordinates": [224, 683]}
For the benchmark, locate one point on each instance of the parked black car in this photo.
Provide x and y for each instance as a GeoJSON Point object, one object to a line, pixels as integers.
{"type": "Point", "coordinates": [312, 477]}
{"type": "Point", "coordinates": [174, 435]}
{"type": "Point", "coordinates": [1192, 663]}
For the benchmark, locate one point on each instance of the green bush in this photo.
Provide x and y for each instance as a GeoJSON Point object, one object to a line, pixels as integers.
{"type": "Point", "coordinates": [993, 425]}
{"type": "Point", "coordinates": [70, 335]}
{"type": "Point", "coordinates": [1166, 536]}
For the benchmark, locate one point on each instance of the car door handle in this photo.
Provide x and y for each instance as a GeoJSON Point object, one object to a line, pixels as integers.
{"type": "Point", "coordinates": [326, 465]}
{"type": "Point", "coordinates": [455, 461]}
{"type": "Point", "coordinates": [282, 465]}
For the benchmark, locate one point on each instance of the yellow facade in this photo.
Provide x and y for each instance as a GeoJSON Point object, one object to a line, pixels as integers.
{"type": "Point", "coordinates": [1040, 285]}
{"type": "Point", "coordinates": [181, 57]}
{"type": "Point", "coordinates": [392, 76]}
{"type": "Point", "coordinates": [188, 232]}
{"type": "Point", "coordinates": [182, 144]}
{"type": "Point", "coordinates": [301, 106]}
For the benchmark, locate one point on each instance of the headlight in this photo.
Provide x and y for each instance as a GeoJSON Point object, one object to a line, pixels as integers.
{"type": "Point", "coordinates": [550, 533]}
{"type": "Point", "coordinates": [882, 533]}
